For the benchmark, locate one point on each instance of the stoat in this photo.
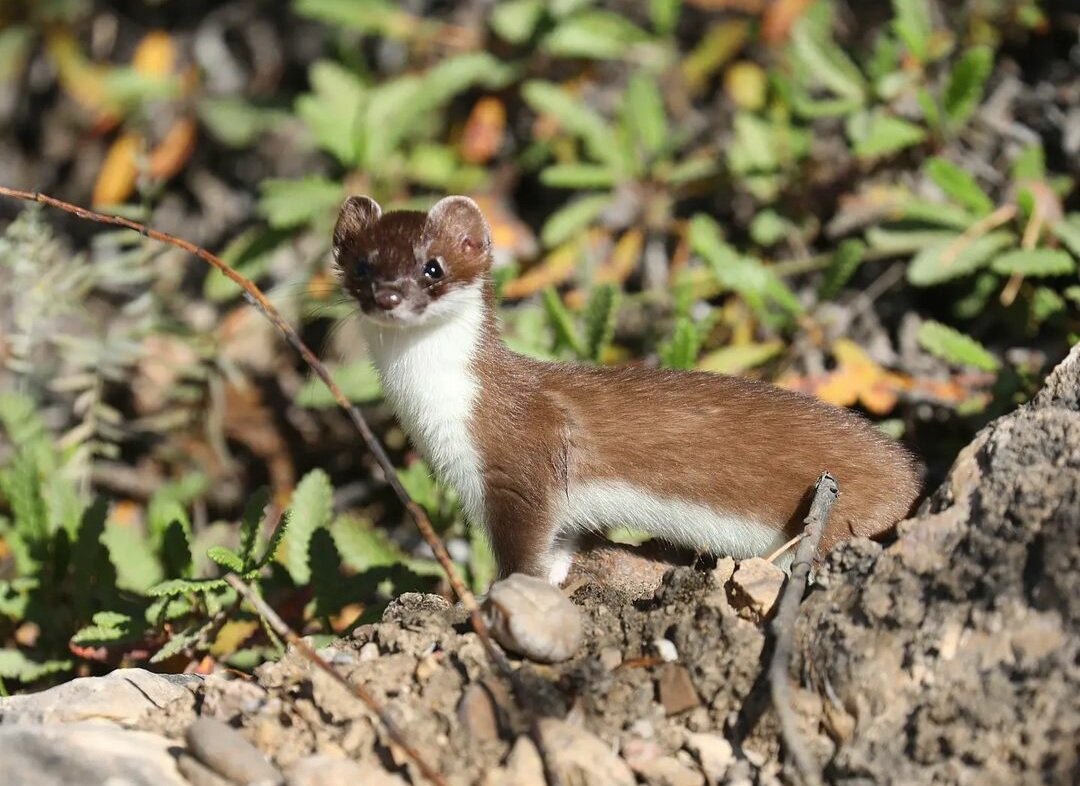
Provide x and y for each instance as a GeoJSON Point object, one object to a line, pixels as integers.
{"type": "Point", "coordinates": [541, 452]}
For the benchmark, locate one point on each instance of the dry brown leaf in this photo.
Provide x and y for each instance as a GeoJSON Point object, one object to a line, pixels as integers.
{"type": "Point", "coordinates": [116, 179]}
{"type": "Point", "coordinates": [509, 234]}
{"type": "Point", "coordinates": [779, 17]}
{"type": "Point", "coordinates": [623, 259]}
{"type": "Point", "coordinates": [484, 130]}
{"type": "Point", "coordinates": [170, 155]}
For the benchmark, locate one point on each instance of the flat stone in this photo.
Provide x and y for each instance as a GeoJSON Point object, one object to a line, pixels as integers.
{"type": "Point", "coordinates": [323, 770]}
{"type": "Point", "coordinates": [86, 752]}
{"type": "Point", "coordinates": [523, 767]}
{"type": "Point", "coordinates": [610, 658]}
{"type": "Point", "coordinates": [225, 750]}
{"type": "Point", "coordinates": [754, 588]}
{"type": "Point", "coordinates": [714, 753]}
{"type": "Point", "coordinates": [676, 689]}
{"type": "Point", "coordinates": [724, 570]}
{"type": "Point", "coordinates": [123, 696]}
{"type": "Point", "coordinates": [669, 771]}
{"type": "Point", "coordinates": [477, 714]}
{"type": "Point", "coordinates": [581, 758]}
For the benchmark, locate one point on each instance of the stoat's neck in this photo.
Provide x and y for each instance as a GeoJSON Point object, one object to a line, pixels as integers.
{"type": "Point", "coordinates": [428, 374]}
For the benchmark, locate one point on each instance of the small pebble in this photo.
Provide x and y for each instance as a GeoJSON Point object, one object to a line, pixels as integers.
{"type": "Point", "coordinates": [225, 750]}
{"type": "Point", "coordinates": [476, 711]}
{"type": "Point", "coordinates": [666, 650]}
{"type": "Point", "coordinates": [610, 658]}
{"type": "Point", "coordinates": [369, 652]}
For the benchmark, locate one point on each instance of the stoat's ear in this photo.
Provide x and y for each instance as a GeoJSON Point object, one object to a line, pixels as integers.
{"type": "Point", "coordinates": [457, 220]}
{"type": "Point", "coordinates": [357, 215]}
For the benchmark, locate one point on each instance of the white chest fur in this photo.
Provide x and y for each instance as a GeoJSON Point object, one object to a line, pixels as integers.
{"type": "Point", "coordinates": [426, 373]}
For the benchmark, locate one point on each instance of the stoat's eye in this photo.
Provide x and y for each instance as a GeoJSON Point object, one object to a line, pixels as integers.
{"type": "Point", "coordinates": [361, 268]}
{"type": "Point", "coordinates": [433, 270]}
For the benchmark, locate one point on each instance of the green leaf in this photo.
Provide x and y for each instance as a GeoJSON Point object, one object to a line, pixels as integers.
{"type": "Point", "coordinates": [171, 587]}
{"type": "Point", "coordinates": [364, 16]}
{"type": "Point", "coordinates": [226, 558]}
{"type": "Point", "coordinates": [516, 21]}
{"type": "Point", "coordinates": [359, 381]}
{"type": "Point", "coordinates": [681, 350]}
{"type": "Point", "coordinates": [929, 268]}
{"type": "Point", "coordinates": [643, 110]}
{"type": "Point", "coordinates": [911, 23]}
{"type": "Point", "coordinates": [15, 43]}
{"type": "Point", "coordinates": [290, 203]}
{"type": "Point", "coordinates": [363, 546]}
{"type": "Point", "coordinates": [333, 111]}
{"type": "Point", "coordinates": [575, 117]}
{"type": "Point", "coordinates": [664, 14]}
{"type": "Point", "coordinates": [137, 566]}
{"type": "Point", "coordinates": [235, 122]}
{"type": "Point", "coordinates": [14, 665]}
{"type": "Point", "coordinates": [1067, 230]}
{"type": "Point", "coordinates": [964, 88]}
{"type": "Point", "coordinates": [185, 639]}
{"type": "Point", "coordinates": [599, 35]}
{"type": "Point", "coordinates": [740, 357]}
{"type": "Point", "coordinates": [877, 134]}
{"type": "Point", "coordinates": [1036, 262]}
{"type": "Point", "coordinates": [600, 320]}
{"type": "Point", "coordinates": [752, 280]}
{"type": "Point", "coordinates": [958, 185]}
{"type": "Point", "coordinates": [954, 347]}
{"type": "Point", "coordinates": [935, 214]}
{"type": "Point", "coordinates": [572, 218]}
{"type": "Point", "coordinates": [562, 325]}
{"type": "Point", "coordinates": [842, 266]}
{"type": "Point", "coordinates": [906, 241]}
{"type": "Point", "coordinates": [272, 545]}
{"type": "Point", "coordinates": [820, 61]}
{"type": "Point", "coordinates": [579, 176]}
{"type": "Point", "coordinates": [249, 523]}
{"type": "Point", "coordinates": [1030, 164]}
{"type": "Point", "coordinates": [482, 567]}
{"type": "Point", "coordinates": [311, 509]}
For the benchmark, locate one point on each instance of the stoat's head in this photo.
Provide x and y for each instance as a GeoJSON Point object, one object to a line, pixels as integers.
{"type": "Point", "coordinates": [409, 268]}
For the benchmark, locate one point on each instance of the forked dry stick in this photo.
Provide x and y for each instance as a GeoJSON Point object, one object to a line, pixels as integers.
{"type": "Point", "coordinates": [356, 689]}
{"type": "Point", "coordinates": [826, 492]}
{"type": "Point", "coordinates": [260, 301]}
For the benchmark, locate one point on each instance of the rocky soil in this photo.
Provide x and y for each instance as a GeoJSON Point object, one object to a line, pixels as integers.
{"type": "Point", "coordinates": [951, 655]}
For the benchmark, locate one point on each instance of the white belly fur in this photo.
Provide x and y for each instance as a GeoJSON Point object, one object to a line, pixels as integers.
{"type": "Point", "coordinates": [596, 505]}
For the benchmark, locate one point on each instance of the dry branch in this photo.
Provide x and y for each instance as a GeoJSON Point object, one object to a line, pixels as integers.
{"type": "Point", "coordinates": [826, 492]}
{"type": "Point", "coordinates": [356, 689]}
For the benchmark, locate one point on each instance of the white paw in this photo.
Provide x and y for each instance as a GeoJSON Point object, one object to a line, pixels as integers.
{"type": "Point", "coordinates": [560, 568]}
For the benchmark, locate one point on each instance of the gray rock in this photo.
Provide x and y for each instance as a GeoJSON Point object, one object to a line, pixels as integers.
{"type": "Point", "coordinates": [532, 618]}
{"type": "Point", "coordinates": [322, 770]}
{"type": "Point", "coordinates": [580, 757]}
{"type": "Point", "coordinates": [714, 753]}
{"type": "Point", "coordinates": [669, 771]}
{"type": "Point", "coordinates": [523, 767]}
{"type": "Point", "coordinates": [88, 752]}
{"type": "Point", "coordinates": [124, 696]}
{"type": "Point", "coordinates": [225, 750]}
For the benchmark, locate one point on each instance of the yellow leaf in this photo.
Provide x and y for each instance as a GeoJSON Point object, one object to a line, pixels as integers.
{"type": "Point", "coordinates": [231, 636]}
{"type": "Point", "coordinates": [81, 79]}
{"type": "Point", "coordinates": [155, 54]}
{"type": "Point", "coordinates": [553, 269]}
{"type": "Point", "coordinates": [738, 358]}
{"type": "Point", "coordinates": [745, 84]}
{"type": "Point", "coordinates": [622, 260]}
{"type": "Point", "coordinates": [116, 180]}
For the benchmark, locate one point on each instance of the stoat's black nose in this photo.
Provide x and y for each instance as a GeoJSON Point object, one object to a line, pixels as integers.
{"type": "Point", "coordinates": [387, 299]}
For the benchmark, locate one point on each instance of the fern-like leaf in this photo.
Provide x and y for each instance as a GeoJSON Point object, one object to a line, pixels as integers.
{"type": "Point", "coordinates": [249, 523]}
{"type": "Point", "coordinates": [311, 508]}
{"type": "Point", "coordinates": [954, 347]}
{"type": "Point", "coordinates": [562, 324]}
{"type": "Point", "coordinates": [681, 350]}
{"type": "Point", "coordinates": [226, 558]}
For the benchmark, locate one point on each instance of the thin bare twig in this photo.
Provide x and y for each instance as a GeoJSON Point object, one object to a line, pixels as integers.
{"type": "Point", "coordinates": [826, 492]}
{"type": "Point", "coordinates": [356, 689]}
{"type": "Point", "coordinates": [256, 297]}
